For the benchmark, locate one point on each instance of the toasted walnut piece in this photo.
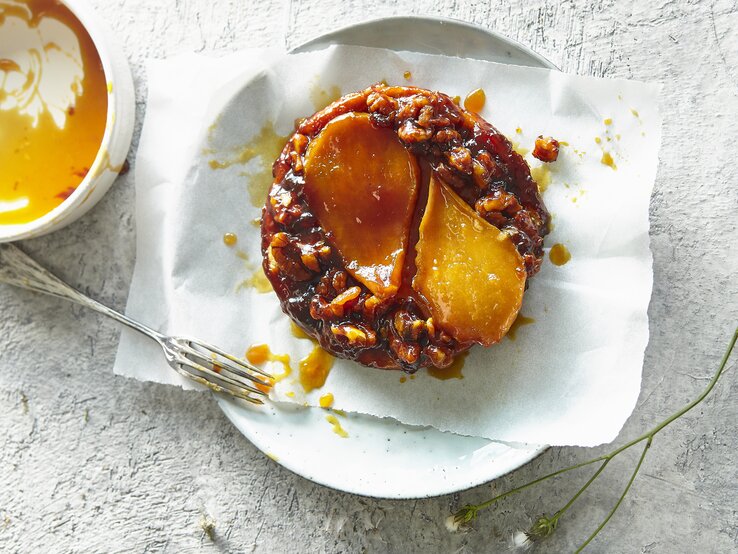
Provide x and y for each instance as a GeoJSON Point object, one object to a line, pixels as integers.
{"type": "Point", "coordinates": [280, 240]}
{"type": "Point", "coordinates": [416, 329]}
{"type": "Point", "coordinates": [441, 121]}
{"type": "Point", "coordinates": [493, 167]}
{"type": "Point", "coordinates": [338, 303]}
{"type": "Point", "coordinates": [283, 199]}
{"type": "Point", "coordinates": [299, 143]}
{"type": "Point", "coordinates": [525, 223]}
{"type": "Point", "coordinates": [408, 326]}
{"type": "Point", "coordinates": [324, 251]}
{"type": "Point", "coordinates": [411, 108]}
{"type": "Point", "coordinates": [447, 136]}
{"type": "Point", "coordinates": [405, 351]}
{"type": "Point", "coordinates": [319, 308]}
{"type": "Point", "coordinates": [379, 103]}
{"type": "Point", "coordinates": [449, 176]}
{"type": "Point", "coordinates": [460, 158]}
{"type": "Point", "coordinates": [310, 261]}
{"type": "Point", "coordinates": [498, 201]}
{"type": "Point", "coordinates": [355, 335]}
{"type": "Point", "coordinates": [370, 305]}
{"type": "Point", "coordinates": [480, 174]}
{"type": "Point", "coordinates": [430, 326]}
{"type": "Point", "coordinates": [425, 116]}
{"type": "Point", "coordinates": [297, 163]}
{"type": "Point", "coordinates": [286, 255]}
{"type": "Point", "coordinates": [411, 133]}
{"type": "Point", "coordinates": [468, 121]}
{"type": "Point", "coordinates": [273, 268]}
{"type": "Point", "coordinates": [546, 149]}
{"type": "Point", "coordinates": [286, 208]}
{"type": "Point", "coordinates": [339, 280]}
{"type": "Point", "coordinates": [324, 287]}
{"type": "Point", "coordinates": [439, 356]}
{"type": "Point", "coordinates": [401, 320]}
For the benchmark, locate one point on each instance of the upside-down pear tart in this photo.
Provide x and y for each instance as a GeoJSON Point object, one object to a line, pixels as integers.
{"type": "Point", "coordinates": [401, 229]}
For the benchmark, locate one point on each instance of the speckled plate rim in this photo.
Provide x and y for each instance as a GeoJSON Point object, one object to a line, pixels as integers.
{"type": "Point", "coordinates": [296, 437]}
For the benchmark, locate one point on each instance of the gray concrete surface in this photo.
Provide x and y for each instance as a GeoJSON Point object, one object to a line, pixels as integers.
{"type": "Point", "coordinates": [95, 463]}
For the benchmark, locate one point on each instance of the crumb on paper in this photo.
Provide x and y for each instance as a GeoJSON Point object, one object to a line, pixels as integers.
{"type": "Point", "coordinates": [207, 524]}
{"type": "Point", "coordinates": [546, 149]}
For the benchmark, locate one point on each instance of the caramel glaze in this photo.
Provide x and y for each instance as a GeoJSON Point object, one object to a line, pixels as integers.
{"type": "Point", "coordinates": [295, 221]}
{"type": "Point", "coordinates": [559, 254]}
{"type": "Point", "coordinates": [475, 100]}
{"type": "Point", "coordinates": [451, 372]}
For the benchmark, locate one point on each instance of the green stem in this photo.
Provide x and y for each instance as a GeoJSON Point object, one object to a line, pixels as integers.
{"type": "Point", "coordinates": [491, 501]}
{"type": "Point", "coordinates": [620, 500]}
{"type": "Point", "coordinates": [561, 512]}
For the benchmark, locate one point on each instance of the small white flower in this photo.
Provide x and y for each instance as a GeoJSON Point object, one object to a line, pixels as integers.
{"type": "Point", "coordinates": [520, 540]}
{"type": "Point", "coordinates": [460, 522]}
{"type": "Point", "coordinates": [453, 525]}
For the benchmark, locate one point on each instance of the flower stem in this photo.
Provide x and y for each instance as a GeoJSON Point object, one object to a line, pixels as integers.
{"type": "Point", "coordinates": [620, 500]}
{"type": "Point", "coordinates": [648, 436]}
{"type": "Point", "coordinates": [560, 513]}
{"type": "Point", "coordinates": [491, 501]}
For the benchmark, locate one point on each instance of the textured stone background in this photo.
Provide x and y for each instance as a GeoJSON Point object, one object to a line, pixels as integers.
{"type": "Point", "coordinates": [95, 463]}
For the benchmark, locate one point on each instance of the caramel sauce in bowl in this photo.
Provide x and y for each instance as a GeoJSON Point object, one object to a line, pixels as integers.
{"type": "Point", "coordinates": [66, 114]}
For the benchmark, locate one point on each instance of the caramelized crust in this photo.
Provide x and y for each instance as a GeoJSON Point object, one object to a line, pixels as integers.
{"type": "Point", "coordinates": [307, 271]}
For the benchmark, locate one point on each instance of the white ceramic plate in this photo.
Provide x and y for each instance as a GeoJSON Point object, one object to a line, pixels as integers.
{"type": "Point", "coordinates": [383, 458]}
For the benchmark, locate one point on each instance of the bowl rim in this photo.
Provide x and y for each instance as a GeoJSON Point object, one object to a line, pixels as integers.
{"type": "Point", "coordinates": [69, 209]}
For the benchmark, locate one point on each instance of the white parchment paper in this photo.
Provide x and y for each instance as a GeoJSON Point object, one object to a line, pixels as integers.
{"type": "Point", "coordinates": [571, 377]}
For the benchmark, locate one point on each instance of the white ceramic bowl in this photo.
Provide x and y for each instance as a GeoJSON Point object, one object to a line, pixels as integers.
{"type": "Point", "coordinates": [116, 140]}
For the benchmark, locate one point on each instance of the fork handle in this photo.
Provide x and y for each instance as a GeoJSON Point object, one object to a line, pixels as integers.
{"type": "Point", "coordinates": [18, 269]}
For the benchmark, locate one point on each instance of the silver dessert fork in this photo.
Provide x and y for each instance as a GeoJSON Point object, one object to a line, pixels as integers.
{"type": "Point", "coordinates": [196, 360]}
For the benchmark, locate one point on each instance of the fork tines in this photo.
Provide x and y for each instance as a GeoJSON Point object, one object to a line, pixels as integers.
{"type": "Point", "coordinates": [221, 372]}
